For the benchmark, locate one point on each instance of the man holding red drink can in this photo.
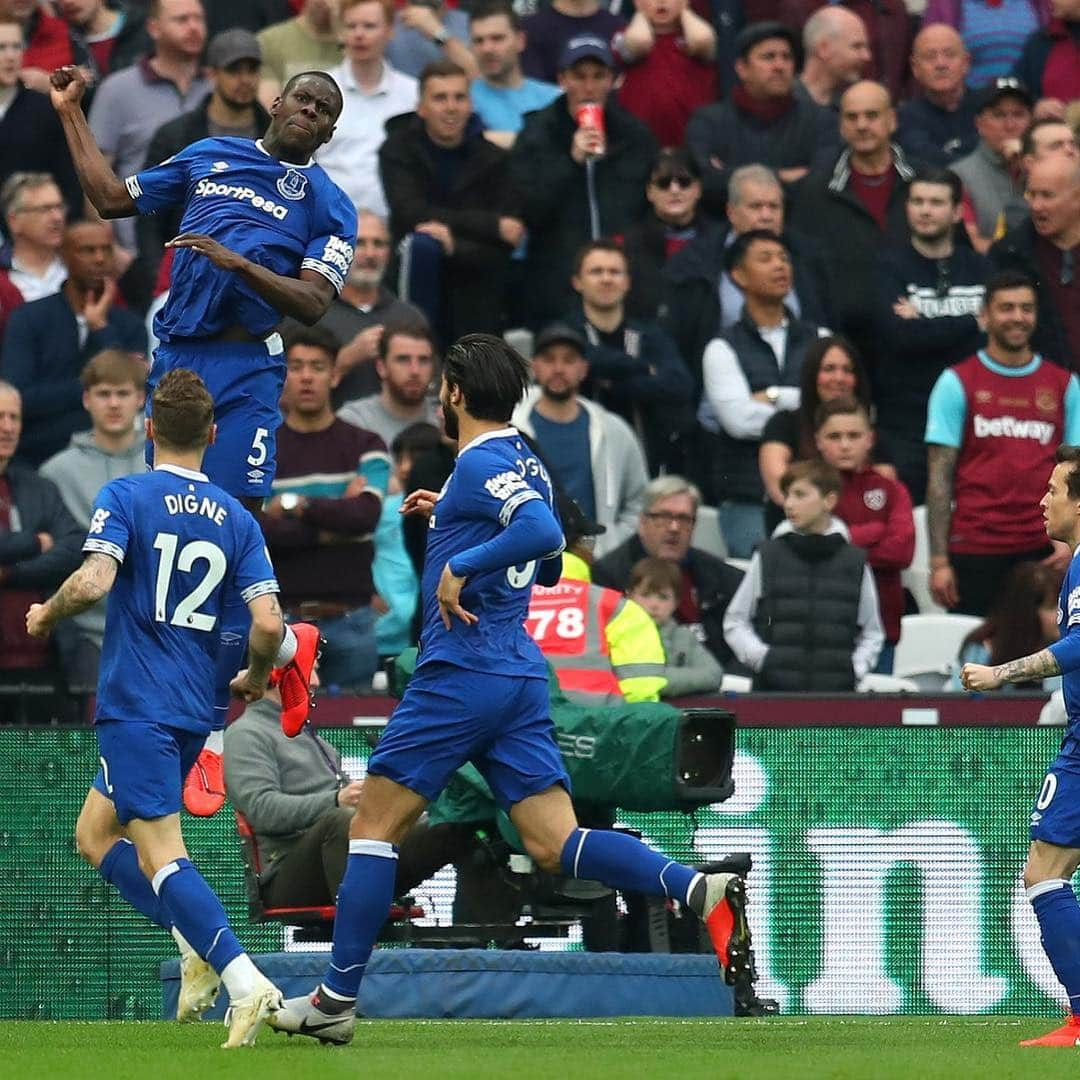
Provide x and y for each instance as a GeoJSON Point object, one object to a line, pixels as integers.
{"type": "Point", "coordinates": [583, 162]}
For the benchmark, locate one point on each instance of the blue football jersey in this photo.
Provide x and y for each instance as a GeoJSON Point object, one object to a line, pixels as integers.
{"type": "Point", "coordinates": [494, 475]}
{"type": "Point", "coordinates": [1068, 618]}
{"type": "Point", "coordinates": [282, 216]}
{"type": "Point", "coordinates": [183, 545]}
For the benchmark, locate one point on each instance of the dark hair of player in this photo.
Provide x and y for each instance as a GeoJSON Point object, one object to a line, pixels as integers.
{"type": "Point", "coordinates": [845, 406]}
{"type": "Point", "coordinates": [183, 411]}
{"type": "Point", "coordinates": [317, 75]}
{"type": "Point", "coordinates": [1004, 280]}
{"type": "Point", "coordinates": [490, 374]}
{"type": "Point", "coordinates": [822, 475]}
{"type": "Point", "coordinates": [115, 367]}
{"type": "Point", "coordinates": [932, 174]}
{"type": "Point", "coordinates": [1070, 455]}
{"type": "Point", "coordinates": [604, 243]}
{"type": "Point", "coordinates": [740, 246]}
{"type": "Point", "coordinates": [314, 337]}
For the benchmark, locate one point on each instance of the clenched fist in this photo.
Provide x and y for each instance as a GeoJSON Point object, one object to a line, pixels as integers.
{"type": "Point", "coordinates": [68, 85]}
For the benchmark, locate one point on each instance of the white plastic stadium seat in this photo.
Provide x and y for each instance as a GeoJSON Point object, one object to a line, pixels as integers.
{"type": "Point", "coordinates": [886, 684]}
{"type": "Point", "coordinates": [707, 535]}
{"type": "Point", "coordinates": [916, 578]}
{"type": "Point", "coordinates": [929, 643]}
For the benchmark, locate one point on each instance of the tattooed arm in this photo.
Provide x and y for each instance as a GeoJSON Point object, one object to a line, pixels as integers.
{"type": "Point", "coordinates": [267, 627]}
{"type": "Point", "coordinates": [84, 588]}
{"type": "Point", "coordinates": [1033, 668]}
{"type": "Point", "coordinates": [941, 469]}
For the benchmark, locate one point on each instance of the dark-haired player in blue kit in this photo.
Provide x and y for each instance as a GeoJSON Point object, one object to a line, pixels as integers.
{"type": "Point", "coordinates": [265, 233]}
{"type": "Point", "coordinates": [167, 547]}
{"type": "Point", "coordinates": [1054, 854]}
{"type": "Point", "coordinates": [480, 694]}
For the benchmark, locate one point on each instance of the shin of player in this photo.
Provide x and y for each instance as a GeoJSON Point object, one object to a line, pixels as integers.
{"type": "Point", "coordinates": [167, 547]}
{"type": "Point", "coordinates": [479, 693]}
{"type": "Point", "coordinates": [1054, 854]}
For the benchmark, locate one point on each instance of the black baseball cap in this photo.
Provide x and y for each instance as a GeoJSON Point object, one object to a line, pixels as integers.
{"type": "Point", "coordinates": [575, 522]}
{"type": "Point", "coordinates": [756, 33]}
{"type": "Point", "coordinates": [1002, 87]}
{"type": "Point", "coordinates": [559, 334]}
{"type": "Point", "coordinates": [232, 45]}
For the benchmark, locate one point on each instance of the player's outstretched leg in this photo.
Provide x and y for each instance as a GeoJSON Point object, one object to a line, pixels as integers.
{"type": "Point", "coordinates": [100, 841]}
{"type": "Point", "coordinates": [1058, 913]}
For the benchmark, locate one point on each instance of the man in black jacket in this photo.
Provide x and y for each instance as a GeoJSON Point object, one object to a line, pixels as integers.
{"type": "Point", "coordinates": [581, 181]}
{"type": "Point", "coordinates": [39, 545]}
{"type": "Point", "coordinates": [231, 108]}
{"type": "Point", "coordinates": [854, 206]}
{"type": "Point", "coordinates": [452, 198]}
{"type": "Point", "coordinates": [930, 294]}
{"type": "Point", "coordinates": [665, 528]}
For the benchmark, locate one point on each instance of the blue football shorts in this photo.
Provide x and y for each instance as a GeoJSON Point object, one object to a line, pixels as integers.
{"type": "Point", "coordinates": [245, 380]}
{"type": "Point", "coordinates": [1055, 818]}
{"type": "Point", "coordinates": [143, 767]}
{"type": "Point", "coordinates": [450, 715]}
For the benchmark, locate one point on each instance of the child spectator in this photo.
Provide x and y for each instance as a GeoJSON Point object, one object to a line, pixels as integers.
{"type": "Point", "coordinates": [394, 577]}
{"type": "Point", "coordinates": [668, 54]}
{"type": "Point", "coordinates": [688, 666]}
{"type": "Point", "coordinates": [1023, 620]}
{"type": "Point", "coordinates": [805, 616]}
{"type": "Point", "coordinates": [875, 508]}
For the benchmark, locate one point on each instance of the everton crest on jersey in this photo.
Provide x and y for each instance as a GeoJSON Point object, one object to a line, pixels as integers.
{"type": "Point", "coordinates": [281, 215]}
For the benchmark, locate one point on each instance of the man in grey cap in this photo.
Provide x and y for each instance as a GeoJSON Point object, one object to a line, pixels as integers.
{"type": "Point", "coordinates": [234, 61]}
{"type": "Point", "coordinates": [763, 121]}
{"type": "Point", "coordinates": [583, 163]}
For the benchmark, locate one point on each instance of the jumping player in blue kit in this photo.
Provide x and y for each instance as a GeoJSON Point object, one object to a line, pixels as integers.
{"type": "Point", "coordinates": [167, 547]}
{"type": "Point", "coordinates": [1054, 854]}
{"type": "Point", "coordinates": [265, 233]}
{"type": "Point", "coordinates": [479, 693]}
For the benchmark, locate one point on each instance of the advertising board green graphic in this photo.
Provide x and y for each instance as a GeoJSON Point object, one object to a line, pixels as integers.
{"type": "Point", "coordinates": [886, 873]}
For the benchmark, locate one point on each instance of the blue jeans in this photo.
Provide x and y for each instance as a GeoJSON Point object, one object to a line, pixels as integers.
{"type": "Point", "coordinates": [743, 526]}
{"type": "Point", "coordinates": [885, 659]}
{"type": "Point", "coordinates": [349, 658]}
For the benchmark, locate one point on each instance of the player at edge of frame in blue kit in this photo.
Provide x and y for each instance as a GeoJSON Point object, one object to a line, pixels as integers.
{"type": "Point", "coordinates": [479, 693]}
{"type": "Point", "coordinates": [166, 547]}
{"type": "Point", "coordinates": [1054, 854]}
{"type": "Point", "coordinates": [265, 233]}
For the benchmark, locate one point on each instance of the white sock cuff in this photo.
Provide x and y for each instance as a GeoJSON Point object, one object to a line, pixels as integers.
{"type": "Point", "coordinates": [332, 996]}
{"type": "Point", "coordinates": [1044, 887]}
{"type": "Point", "coordinates": [287, 648]}
{"type": "Point", "coordinates": [379, 848]}
{"type": "Point", "coordinates": [580, 844]}
{"type": "Point", "coordinates": [215, 742]}
{"type": "Point", "coordinates": [165, 872]}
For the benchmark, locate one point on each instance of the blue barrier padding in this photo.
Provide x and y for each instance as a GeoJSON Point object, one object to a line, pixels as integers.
{"type": "Point", "coordinates": [502, 985]}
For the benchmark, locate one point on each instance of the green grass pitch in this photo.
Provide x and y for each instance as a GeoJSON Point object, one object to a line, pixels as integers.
{"type": "Point", "coordinates": [787, 1047]}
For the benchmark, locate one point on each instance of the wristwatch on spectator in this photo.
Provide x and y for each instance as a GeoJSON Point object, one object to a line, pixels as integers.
{"type": "Point", "coordinates": [772, 394]}
{"type": "Point", "coordinates": [289, 501]}
{"type": "Point", "coordinates": [441, 37]}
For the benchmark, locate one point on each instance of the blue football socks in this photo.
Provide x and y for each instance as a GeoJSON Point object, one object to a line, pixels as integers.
{"type": "Point", "coordinates": [624, 862]}
{"type": "Point", "coordinates": [1059, 920]}
{"type": "Point", "coordinates": [197, 913]}
{"type": "Point", "coordinates": [120, 868]}
{"type": "Point", "coordinates": [363, 903]}
{"type": "Point", "coordinates": [235, 627]}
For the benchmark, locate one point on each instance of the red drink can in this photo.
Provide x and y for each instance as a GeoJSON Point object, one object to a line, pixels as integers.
{"type": "Point", "coordinates": [591, 116]}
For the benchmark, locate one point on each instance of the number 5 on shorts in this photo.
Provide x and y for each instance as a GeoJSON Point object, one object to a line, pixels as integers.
{"type": "Point", "coordinates": [258, 447]}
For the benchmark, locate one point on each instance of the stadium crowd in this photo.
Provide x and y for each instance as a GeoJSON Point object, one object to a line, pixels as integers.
{"type": "Point", "coordinates": [787, 273]}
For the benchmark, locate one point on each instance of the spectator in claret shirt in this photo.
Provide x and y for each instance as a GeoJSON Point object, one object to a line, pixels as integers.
{"type": "Point", "coordinates": [875, 508]}
{"type": "Point", "coordinates": [669, 56]}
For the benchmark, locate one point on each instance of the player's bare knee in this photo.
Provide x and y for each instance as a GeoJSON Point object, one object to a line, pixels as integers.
{"type": "Point", "coordinates": [544, 853]}
{"type": "Point", "coordinates": [94, 837]}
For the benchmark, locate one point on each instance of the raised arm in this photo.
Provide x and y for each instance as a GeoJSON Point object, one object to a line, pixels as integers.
{"type": "Point", "coordinates": [105, 190]}
{"type": "Point", "coordinates": [84, 588]}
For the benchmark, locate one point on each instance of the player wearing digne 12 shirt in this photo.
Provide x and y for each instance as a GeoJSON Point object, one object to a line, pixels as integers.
{"type": "Point", "coordinates": [168, 547]}
{"type": "Point", "coordinates": [479, 694]}
{"type": "Point", "coordinates": [265, 233]}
